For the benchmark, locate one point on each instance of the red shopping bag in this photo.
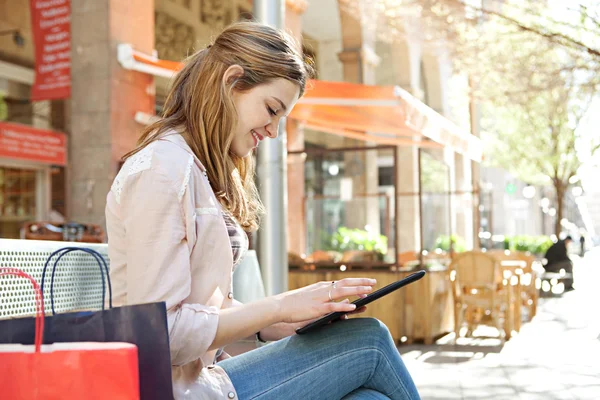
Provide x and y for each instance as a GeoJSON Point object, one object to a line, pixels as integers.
{"type": "Point", "coordinates": [86, 370]}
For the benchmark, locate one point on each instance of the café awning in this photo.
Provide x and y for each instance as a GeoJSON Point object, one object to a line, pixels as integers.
{"type": "Point", "coordinates": [378, 114]}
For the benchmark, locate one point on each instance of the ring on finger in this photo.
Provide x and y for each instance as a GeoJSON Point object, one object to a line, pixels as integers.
{"type": "Point", "coordinates": [330, 289]}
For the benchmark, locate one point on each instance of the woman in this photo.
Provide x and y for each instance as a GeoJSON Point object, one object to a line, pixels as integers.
{"type": "Point", "coordinates": [176, 216]}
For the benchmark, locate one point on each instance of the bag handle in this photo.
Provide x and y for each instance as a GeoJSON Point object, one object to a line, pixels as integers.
{"type": "Point", "coordinates": [101, 263]}
{"type": "Point", "coordinates": [98, 258]}
{"type": "Point", "coordinates": [39, 304]}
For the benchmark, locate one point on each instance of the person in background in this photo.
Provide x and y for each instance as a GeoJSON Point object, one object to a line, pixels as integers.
{"type": "Point", "coordinates": [582, 245]}
{"type": "Point", "coordinates": [557, 259]}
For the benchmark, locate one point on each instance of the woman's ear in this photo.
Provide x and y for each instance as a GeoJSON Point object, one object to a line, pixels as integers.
{"type": "Point", "coordinates": [232, 73]}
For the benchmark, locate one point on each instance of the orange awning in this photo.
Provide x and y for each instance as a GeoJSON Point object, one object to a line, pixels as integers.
{"type": "Point", "coordinates": [379, 114]}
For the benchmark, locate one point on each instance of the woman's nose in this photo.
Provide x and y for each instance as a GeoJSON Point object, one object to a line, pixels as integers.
{"type": "Point", "coordinates": [272, 129]}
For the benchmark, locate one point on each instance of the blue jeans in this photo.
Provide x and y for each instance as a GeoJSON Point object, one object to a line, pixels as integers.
{"type": "Point", "coordinates": [353, 359]}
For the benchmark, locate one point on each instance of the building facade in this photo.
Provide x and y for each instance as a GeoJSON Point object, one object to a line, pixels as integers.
{"type": "Point", "coordinates": [412, 194]}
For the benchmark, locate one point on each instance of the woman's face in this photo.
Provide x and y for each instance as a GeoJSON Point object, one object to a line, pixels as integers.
{"type": "Point", "coordinates": [259, 112]}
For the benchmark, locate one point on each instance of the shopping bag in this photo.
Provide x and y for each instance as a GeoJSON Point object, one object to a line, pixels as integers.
{"type": "Point", "coordinates": [66, 370]}
{"type": "Point", "coordinates": [144, 325]}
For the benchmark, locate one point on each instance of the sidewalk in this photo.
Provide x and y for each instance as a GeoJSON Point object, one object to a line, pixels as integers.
{"type": "Point", "coordinates": [556, 356]}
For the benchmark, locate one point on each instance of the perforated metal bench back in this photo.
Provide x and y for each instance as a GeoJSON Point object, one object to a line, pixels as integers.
{"type": "Point", "coordinates": [77, 281]}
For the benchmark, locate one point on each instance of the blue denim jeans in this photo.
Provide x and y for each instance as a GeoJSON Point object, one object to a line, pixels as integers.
{"type": "Point", "coordinates": [350, 360]}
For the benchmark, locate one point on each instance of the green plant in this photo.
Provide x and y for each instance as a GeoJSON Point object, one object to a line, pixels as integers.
{"type": "Point", "coordinates": [443, 243]}
{"type": "Point", "coordinates": [533, 244]}
{"type": "Point", "coordinates": [345, 239]}
{"type": "Point", "coordinates": [3, 108]}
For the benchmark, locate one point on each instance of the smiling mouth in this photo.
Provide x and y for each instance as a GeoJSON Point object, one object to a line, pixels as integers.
{"type": "Point", "coordinates": [257, 138]}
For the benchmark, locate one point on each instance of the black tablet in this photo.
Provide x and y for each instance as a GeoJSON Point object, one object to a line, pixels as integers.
{"type": "Point", "coordinates": [363, 302]}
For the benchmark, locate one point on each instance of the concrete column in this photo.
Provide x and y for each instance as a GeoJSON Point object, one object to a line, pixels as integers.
{"type": "Point", "coordinates": [475, 120]}
{"type": "Point", "coordinates": [41, 118]}
{"type": "Point", "coordinates": [450, 162]}
{"type": "Point", "coordinates": [359, 62]}
{"type": "Point", "coordinates": [105, 97]}
{"type": "Point", "coordinates": [407, 175]}
{"type": "Point", "coordinates": [296, 217]}
{"type": "Point", "coordinates": [406, 59]}
{"type": "Point", "coordinates": [293, 17]}
{"type": "Point", "coordinates": [463, 201]}
{"type": "Point", "coordinates": [407, 71]}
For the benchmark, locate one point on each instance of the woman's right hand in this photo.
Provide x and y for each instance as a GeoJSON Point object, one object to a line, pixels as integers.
{"type": "Point", "coordinates": [314, 301]}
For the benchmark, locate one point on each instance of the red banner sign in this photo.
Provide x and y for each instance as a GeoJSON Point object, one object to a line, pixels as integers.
{"type": "Point", "coordinates": [24, 142]}
{"type": "Point", "coordinates": [51, 26]}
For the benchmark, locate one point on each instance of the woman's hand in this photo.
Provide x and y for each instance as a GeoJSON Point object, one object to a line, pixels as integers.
{"type": "Point", "coordinates": [284, 329]}
{"type": "Point", "coordinates": [295, 306]}
{"type": "Point", "coordinates": [316, 300]}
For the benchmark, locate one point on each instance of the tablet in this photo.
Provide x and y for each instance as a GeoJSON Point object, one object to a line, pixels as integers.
{"type": "Point", "coordinates": [362, 302]}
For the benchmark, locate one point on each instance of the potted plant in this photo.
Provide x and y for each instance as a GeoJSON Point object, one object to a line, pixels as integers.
{"type": "Point", "coordinates": [358, 244]}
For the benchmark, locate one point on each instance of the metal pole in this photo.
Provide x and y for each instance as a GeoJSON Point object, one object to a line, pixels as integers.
{"type": "Point", "coordinates": [543, 213]}
{"type": "Point", "coordinates": [451, 249]}
{"type": "Point", "coordinates": [420, 186]}
{"type": "Point", "coordinates": [272, 181]}
{"type": "Point", "coordinates": [396, 210]}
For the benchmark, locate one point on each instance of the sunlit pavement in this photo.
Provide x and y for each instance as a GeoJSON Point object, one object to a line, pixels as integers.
{"type": "Point", "coordinates": [555, 356]}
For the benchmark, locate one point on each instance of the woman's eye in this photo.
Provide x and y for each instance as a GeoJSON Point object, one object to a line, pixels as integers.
{"type": "Point", "coordinates": [271, 111]}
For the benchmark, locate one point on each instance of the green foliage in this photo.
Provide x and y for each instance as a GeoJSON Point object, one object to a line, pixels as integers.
{"type": "Point", "coordinates": [536, 140]}
{"type": "Point", "coordinates": [3, 109]}
{"type": "Point", "coordinates": [537, 245]}
{"type": "Point", "coordinates": [443, 243]}
{"type": "Point", "coordinates": [345, 239]}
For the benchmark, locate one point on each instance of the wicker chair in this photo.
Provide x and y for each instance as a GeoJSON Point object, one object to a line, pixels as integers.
{"type": "Point", "coordinates": [478, 290]}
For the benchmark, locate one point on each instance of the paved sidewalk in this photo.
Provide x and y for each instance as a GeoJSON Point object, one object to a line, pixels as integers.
{"type": "Point", "coordinates": [556, 356]}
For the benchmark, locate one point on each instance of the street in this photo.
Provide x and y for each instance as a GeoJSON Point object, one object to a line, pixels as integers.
{"type": "Point", "coordinates": [555, 356]}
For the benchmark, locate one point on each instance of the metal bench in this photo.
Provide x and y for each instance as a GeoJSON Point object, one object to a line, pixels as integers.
{"type": "Point", "coordinates": [78, 283]}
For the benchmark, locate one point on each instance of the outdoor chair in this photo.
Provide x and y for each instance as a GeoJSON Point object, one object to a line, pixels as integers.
{"type": "Point", "coordinates": [478, 290]}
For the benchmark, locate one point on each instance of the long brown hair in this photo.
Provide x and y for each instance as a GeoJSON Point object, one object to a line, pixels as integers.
{"type": "Point", "coordinates": [200, 106]}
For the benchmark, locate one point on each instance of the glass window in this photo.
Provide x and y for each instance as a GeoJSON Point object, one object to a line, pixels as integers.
{"type": "Point", "coordinates": [435, 187]}
{"type": "Point", "coordinates": [346, 213]}
{"type": "Point", "coordinates": [17, 200]}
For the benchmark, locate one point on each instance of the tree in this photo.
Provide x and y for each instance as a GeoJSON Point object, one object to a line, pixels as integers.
{"type": "Point", "coordinates": [525, 30]}
{"type": "Point", "coordinates": [535, 77]}
{"type": "Point", "coordinates": [539, 142]}
{"type": "Point", "coordinates": [532, 69]}
{"type": "Point", "coordinates": [466, 26]}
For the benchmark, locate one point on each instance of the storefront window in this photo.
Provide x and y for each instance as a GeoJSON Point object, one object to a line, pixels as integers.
{"type": "Point", "coordinates": [17, 200]}
{"type": "Point", "coordinates": [435, 187]}
{"type": "Point", "coordinates": [346, 213]}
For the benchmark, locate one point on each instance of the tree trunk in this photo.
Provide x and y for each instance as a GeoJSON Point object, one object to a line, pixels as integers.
{"type": "Point", "coordinates": [560, 200]}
